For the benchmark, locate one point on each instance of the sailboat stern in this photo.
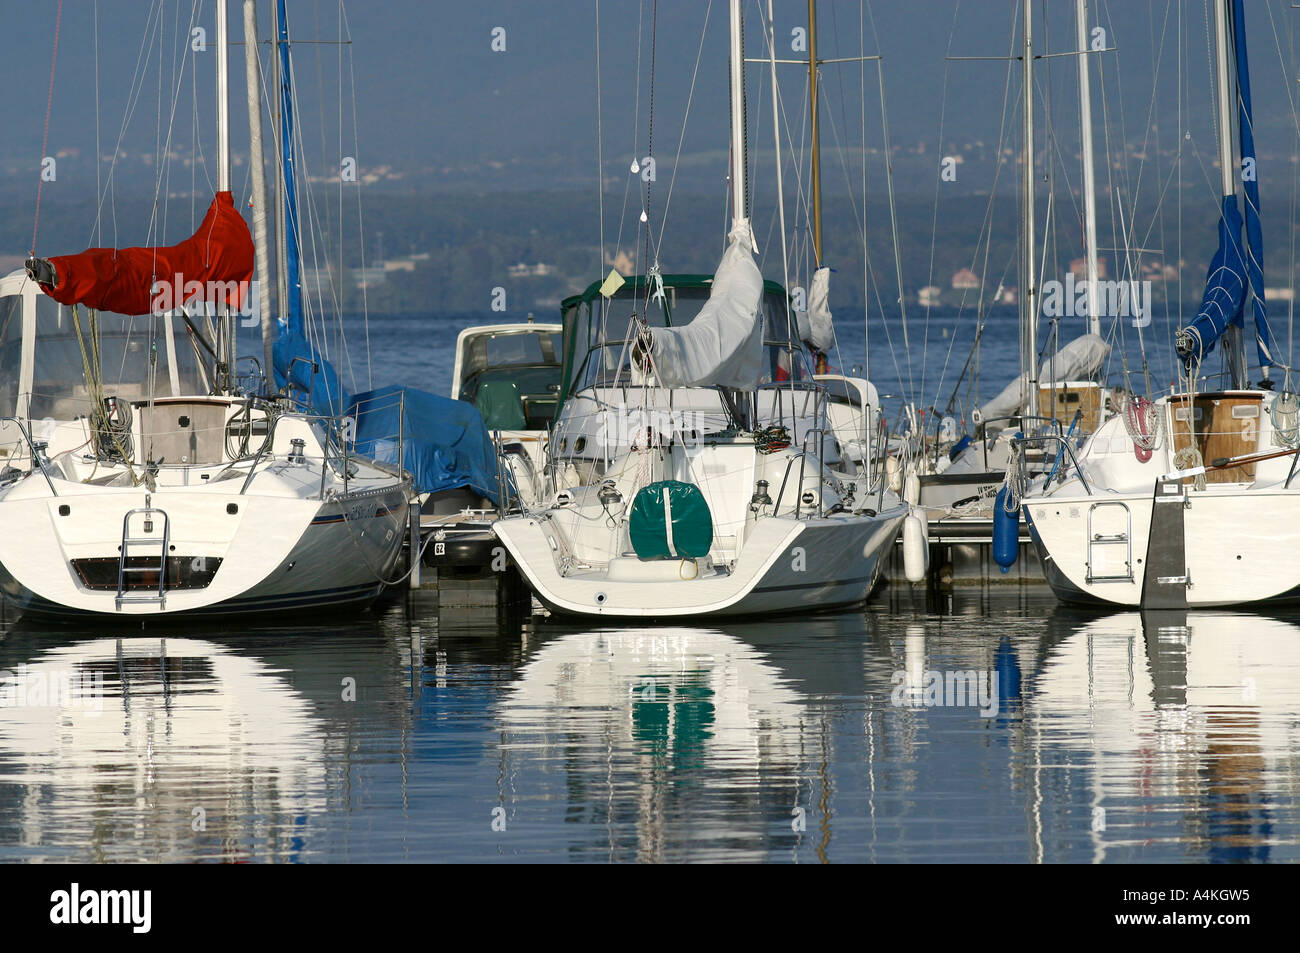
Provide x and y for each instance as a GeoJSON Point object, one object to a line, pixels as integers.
{"type": "Point", "coordinates": [784, 565]}
{"type": "Point", "coordinates": [138, 554]}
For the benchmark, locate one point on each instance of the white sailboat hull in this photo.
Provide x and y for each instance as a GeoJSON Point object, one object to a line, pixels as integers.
{"type": "Point", "coordinates": [786, 565]}
{"type": "Point", "coordinates": [276, 554]}
{"type": "Point", "coordinates": [1224, 543]}
{"type": "Point", "coordinates": [1235, 548]}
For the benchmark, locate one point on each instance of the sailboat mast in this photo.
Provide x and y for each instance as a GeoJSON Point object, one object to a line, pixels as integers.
{"type": "Point", "coordinates": [1089, 176]}
{"type": "Point", "coordinates": [226, 337]}
{"type": "Point", "coordinates": [739, 184]}
{"type": "Point", "coordinates": [252, 73]}
{"type": "Point", "coordinates": [223, 101]}
{"type": "Point", "coordinates": [776, 143]}
{"type": "Point", "coordinates": [813, 111]}
{"type": "Point", "coordinates": [1233, 339]}
{"type": "Point", "coordinates": [1028, 277]}
{"type": "Point", "coordinates": [1224, 103]}
{"type": "Point", "coordinates": [292, 313]}
{"type": "Point", "coordinates": [281, 279]}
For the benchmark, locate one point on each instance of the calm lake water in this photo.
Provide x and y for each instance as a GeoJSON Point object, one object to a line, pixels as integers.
{"type": "Point", "coordinates": [985, 726]}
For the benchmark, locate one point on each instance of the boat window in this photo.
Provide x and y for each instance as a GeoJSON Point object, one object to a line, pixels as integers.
{"type": "Point", "coordinates": [610, 366]}
{"type": "Point", "coordinates": [514, 349]}
{"type": "Point", "coordinates": [783, 363]}
{"type": "Point", "coordinates": [11, 350]}
{"type": "Point", "coordinates": [842, 392]}
{"type": "Point", "coordinates": [612, 318]}
{"type": "Point", "coordinates": [132, 358]}
{"type": "Point", "coordinates": [779, 325]}
{"type": "Point", "coordinates": [510, 349]}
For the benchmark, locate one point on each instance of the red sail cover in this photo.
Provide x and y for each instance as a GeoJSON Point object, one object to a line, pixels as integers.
{"type": "Point", "coordinates": [214, 264]}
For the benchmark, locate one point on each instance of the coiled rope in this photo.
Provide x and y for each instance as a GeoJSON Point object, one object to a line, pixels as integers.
{"type": "Point", "coordinates": [1014, 484]}
{"type": "Point", "coordinates": [1285, 416]}
{"type": "Point", "coordinates": [771, 439]}
{"type": "Point", "coordinates": [1189, 458]}
{"type": "Point", "coordinates": [1143, 424]}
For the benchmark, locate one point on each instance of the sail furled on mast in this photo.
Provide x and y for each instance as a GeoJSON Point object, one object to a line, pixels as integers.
{"type": "Point", "coordinates": [1225, 290]}
{"type": "Point", "coordinates": [299, 364]}
{"type": "Point", "coordinates": [1236, 268]}
{"type": "Point", "coordinates": [1250, 191]}
{"type": "Point", "coordinates": [214, 265]}
{"type": "Point", "coordinates": [723, 345]}
{"type": "Point", "coordinates": [815, 325]}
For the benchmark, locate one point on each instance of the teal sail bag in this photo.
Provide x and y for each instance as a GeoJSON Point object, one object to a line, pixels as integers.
{"type": "Point", "coordinates": [670, 520]}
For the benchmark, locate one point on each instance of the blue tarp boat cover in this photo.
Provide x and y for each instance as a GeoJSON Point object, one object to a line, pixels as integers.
{"type": "Point", "coordinates": [445, 444]}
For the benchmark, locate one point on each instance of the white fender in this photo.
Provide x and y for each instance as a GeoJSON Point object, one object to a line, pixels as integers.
{"type": "Point", "coordinates": [912, 489]}
{"type": "Point", "coordinates": [915, 551]}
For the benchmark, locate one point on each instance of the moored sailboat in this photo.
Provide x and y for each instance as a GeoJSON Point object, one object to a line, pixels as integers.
{"type": "Point", "coordinates": [1193, 506]}
{"type": "Point", "coordinates": [697, 516]}
{"type": "Point", "coordinates": [140, 480]}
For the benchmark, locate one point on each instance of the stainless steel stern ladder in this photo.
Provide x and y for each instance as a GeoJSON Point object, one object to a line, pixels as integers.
{"type": "Point", "coordinates": [162, 542]}
{"type": "Point", "coordinates": [1099, 541]}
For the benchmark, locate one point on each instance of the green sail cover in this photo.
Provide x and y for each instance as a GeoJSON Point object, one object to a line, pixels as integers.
{"type": "Point", "coordinates": [498, 402]}
{"type": "Point", "coordinates": [670, 520]}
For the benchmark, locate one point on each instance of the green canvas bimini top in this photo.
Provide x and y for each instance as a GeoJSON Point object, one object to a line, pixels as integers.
{"type": "Point", "coordinates": [642, 282]}
{"type": "Point", "coordinates": [631, 288]}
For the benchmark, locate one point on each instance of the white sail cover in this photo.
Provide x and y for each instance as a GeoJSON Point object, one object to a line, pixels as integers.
{"type": "Point", "coordinates": [815, 324]}
{"type": "Point", "coordinates": [1078, 360]}
{"type": "Point", "coordinates": [723, 346]}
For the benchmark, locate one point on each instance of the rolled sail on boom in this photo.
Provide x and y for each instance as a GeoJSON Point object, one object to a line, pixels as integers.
{"type": "Point", "coordinates": [214, 264]}
{"type": "Point", "coordinates": [723, 345]}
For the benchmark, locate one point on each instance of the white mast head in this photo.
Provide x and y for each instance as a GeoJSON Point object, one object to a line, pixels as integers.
{"type": "Point", "coordinates": [739, 185]}
{"type": "Point", "coordinates": [223, 101]}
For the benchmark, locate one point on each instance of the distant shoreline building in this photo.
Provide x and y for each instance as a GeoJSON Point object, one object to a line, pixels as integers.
{"type": "Point", "coordinates": [965, 280]}
{"type": "Point", "coordinates": [538, 270]}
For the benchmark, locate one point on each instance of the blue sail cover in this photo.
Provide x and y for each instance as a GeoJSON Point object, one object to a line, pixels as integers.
{"type": "Point", "coordinates": [1225, 290]}
{"type": "Point", "coordinates": [445, 444]}
{"type": "Point", "coordinates": [313, 377]}
{"type": "Point", "coordinates": [1234, 269]}
{"type": "Point", "coordinates": [1250, 189]}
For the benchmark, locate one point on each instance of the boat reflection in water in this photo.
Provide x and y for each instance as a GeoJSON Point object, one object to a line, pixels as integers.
{"type": "Point", "coordinates": [672, 740]}
{"type": "Point", "coordinates": [994, 728]}
{"type": "Point", "coordinates": [154, 749]}
{"type": "Point", "coordinates": [1188, 725]}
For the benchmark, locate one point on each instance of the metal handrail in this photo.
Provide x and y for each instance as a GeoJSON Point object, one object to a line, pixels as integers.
{"type": "Point", "coordinates": [270, 442]}
{"type": "Point", "coordinates": [780, 494]}
{"type": "Point", "coordinates": [1020, 443]}
{"type": "Point", "coordinates": [1018, 419]}
{"type": "Point", "coordinates": [803, 460]}
{"type": "Point", "coordinates": [32, 450]}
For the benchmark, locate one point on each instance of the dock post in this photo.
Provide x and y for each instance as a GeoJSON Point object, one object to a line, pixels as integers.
{"type": "Point", "coordinates": [413, 510]}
